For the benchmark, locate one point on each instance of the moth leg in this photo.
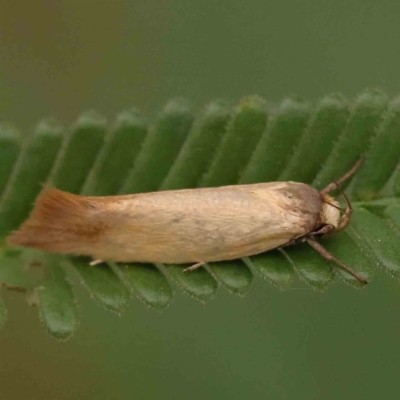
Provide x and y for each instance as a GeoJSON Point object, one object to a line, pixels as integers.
{"type": "Point", "coordinates": [330, 257]}
{"type": "Point", "coordinates": [349, 174]}
{"type": "Point", "coordinates": [194, 266]}
{"type": "Point", "coordinates": [325, 229]}
{"type": "Point", "coordinates": [96, 262]}
{"type": "Point", "coordinates": [291, 242]}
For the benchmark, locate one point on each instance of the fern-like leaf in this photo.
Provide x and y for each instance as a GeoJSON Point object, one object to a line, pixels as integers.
{"type": "Point", "coordinates": [250, 142]}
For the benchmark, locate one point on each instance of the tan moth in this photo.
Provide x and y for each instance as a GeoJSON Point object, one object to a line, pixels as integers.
{"type": "Point", "coordinates": [185, 226]}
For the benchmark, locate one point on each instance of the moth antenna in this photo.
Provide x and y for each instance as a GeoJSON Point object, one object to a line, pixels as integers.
{"type": "Point", "coordinates": [334, 206]}
{"type": "Point", "coordinates": [344, 222]}
{"type": "Point", "coordinates": [348, 212]}
{"type": "Point", "coordinates": [344, 178]}
{"type": "Point", "coordinates": [349, 206]}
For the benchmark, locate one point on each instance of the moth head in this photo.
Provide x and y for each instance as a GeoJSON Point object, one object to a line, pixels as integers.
{"type": "Point", "coordinates": [330, 211]}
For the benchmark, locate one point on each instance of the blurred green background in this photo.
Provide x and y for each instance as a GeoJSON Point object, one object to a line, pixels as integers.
{"type": "Point", "coordinates": [61, 58]}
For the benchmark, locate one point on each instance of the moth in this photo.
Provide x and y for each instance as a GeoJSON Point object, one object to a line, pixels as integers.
{"type": "Point", "coordinates": [186, 226]}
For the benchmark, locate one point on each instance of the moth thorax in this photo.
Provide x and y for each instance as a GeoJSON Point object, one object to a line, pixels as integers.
{"type": "Point", "coordinates": [330, 214]}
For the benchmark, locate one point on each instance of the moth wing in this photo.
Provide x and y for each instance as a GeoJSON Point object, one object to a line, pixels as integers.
{"type": "Point", "coordinates": [253, 248]}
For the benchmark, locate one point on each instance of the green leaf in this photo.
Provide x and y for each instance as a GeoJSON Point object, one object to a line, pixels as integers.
{"type": "Point", "coordinates": [393, 214]}
{"type": "Point", "coordinates": [349, 250]}
{"type": "Point", "coordinates": [31, 170]}
{"type": "Point", "coordinates": [197, 152]}
{"type": "Point", "coordinates": [103, 284]}
{"type": "Point", "coordinates": [56, 303]}
{"type": "Point", "coordinates": [325, 125]}
{"type": "Point", "coordinates": [234, 274]}
{"type": "Point", "coordinates": [311, 267]}
{"type": "Point", "coordinates": [14, 274]}
{"type": "Point", "coordinates": [275, 267]}
{"type": "Point", "coordinates": [118, 154]}
{"type": "Point", "coordinates": [278, 141]}
{"type": "Point", "coordinates": [198, 284]}
{"type": "Point", "coordinates": [248, 123]}
{"type": "Point", "coordinates": [382, 157]}
{"type": "Point", "coordinates": [79, 152]}
{"type": "Point", "coordinates": [9, 150]}
{"type": "Point", "coordinates": [160, 148]}
{"type": "Point", "coordinates": [396, 181]}
{"type": "Point", "coordinates": [364, 120]}
{"type": "Point", "coordinates": [147, 283]}
{"type": "Point", "coordinates": [382, 239]}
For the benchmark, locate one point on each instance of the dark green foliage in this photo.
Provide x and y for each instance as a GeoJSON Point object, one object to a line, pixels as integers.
{"type": "Point", "coordinates": [248, 123]}
{"type": "Point", "coordinates": [9, 150]}
{"type": "Point", "coordinates": [55, 300]}
{"type": "Point", "coordinates": [198, 284]}
{"type": "Point", "coordinates": [278, 141]}
{"type": "Point", "coordinates": [396, 181]}
{"type": "Point", "coordinates": [324, 126]}
{"type": "Point", "coordinates": [311, 267]}
{"type": "Point", "coordinates": [197, 152]}
{"type": "Point", "coordinates": [147, 283]}
{"type": "Point", "coordinates": [80, 149]}
{"type": "Point", "coordinates": [102, 284]}
{"type": "Point", "coordinates": [276, 268]}
{"type": "Point", "coordinates": [234, 274]}
{"type": "Point", "coordinates": [348, 249]}
{"type": "Point", "coordinates": [382, 239]}
{"type": "Point", "coordinates": [14, 272]}
{"type": "Point", "coordinates": [366, 115]}
{"type": "Point", "coordinates": [118, 154]}
{"type": "Point", "coordinates": [160, 148]}
{"type": "Point", "coordinates": [393, 214]}
{"type": "Point", "coordinates": [382, 157]}
{"type": "Point", "coordinates": [29, 173]}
